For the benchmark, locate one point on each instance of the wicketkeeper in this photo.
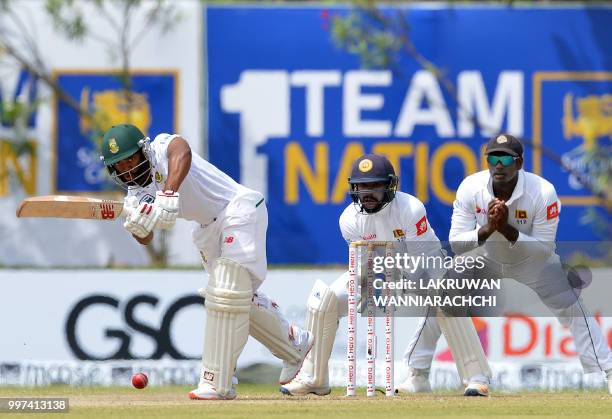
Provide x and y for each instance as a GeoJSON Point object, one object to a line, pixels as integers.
{"type": "Point", "coordinates": [165, 180]}
{"type": "Point", "coordinates": [380, 213]}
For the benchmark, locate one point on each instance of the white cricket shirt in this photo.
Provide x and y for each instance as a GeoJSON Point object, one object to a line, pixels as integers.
{"type": "Point", "coordinates": [403, 219]}
{"type": "Point", "coordinates": [205, 191]}
{"type": "Point", "coordinates": [533, 209]}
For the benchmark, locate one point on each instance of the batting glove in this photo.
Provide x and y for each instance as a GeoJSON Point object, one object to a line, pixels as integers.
{"type": "Point", "coordinates": [130, 203]}
{"type": "Point", "coordinates": [141, 221]}
{"type": "Point", "coordinates": [168, 204]}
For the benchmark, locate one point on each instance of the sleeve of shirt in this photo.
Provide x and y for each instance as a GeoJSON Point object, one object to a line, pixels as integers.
{"type": "Point", "coordinates": [418, 227]}
{"type": "Point", "coordinates": [463, 235]}
{"type": "Point", "coordinates": [160, 144]}
{"type": "Point", "coordinates": [348, 228]}
{"type": "Point", "coordinates": [420, 240]}
{"type": "Point", "coordinates": [541, 242]}
{"type": "Point", "coordinates": [420, 237]}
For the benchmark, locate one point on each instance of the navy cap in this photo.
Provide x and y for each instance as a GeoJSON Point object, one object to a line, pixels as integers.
{"type": "Point", "coordinates": [505, 143]}
{"type": "Point", "coordinates": [371, 168]}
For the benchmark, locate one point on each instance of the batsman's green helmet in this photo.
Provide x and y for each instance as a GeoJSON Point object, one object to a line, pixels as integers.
{"type": "Point", "coordinates": [120, 142]}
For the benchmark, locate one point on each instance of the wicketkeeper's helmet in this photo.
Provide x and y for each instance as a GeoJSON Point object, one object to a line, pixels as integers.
{"type": "Point", "coordinates": [372, 168]}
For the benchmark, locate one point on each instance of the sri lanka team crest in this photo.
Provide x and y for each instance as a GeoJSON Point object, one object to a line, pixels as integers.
{"type": "Point", "coordinates": [520, 214]}
{"type": "Point", "coordinates": [365, 165]}
{"type": "Point", "coordinates": [112, 107]}
{"type": "Point", "coordinates": [150, 106]}
{"type": "Point", "coordinates": [592, 119]}
{"type": "Point", "coordinates": [577, 107]}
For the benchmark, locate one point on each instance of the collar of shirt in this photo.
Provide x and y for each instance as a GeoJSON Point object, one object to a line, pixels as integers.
{"type": "Point", "coordinates": [518, 189]}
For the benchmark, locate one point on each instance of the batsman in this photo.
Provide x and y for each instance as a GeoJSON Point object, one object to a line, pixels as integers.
{"type": "Point", "coordinates": [165, 180]}
{"type": "Point", "coordinates": [379, 212]}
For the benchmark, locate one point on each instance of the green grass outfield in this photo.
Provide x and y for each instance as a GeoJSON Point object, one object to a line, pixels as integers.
{"type": "Point", "coordinates": [258, 401]}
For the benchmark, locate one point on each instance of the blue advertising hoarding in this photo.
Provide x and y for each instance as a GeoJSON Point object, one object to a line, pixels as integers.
{"type": "Point", "coordinates": [154, 109]}
{"type": "Point", "coordinates": [289, 111]}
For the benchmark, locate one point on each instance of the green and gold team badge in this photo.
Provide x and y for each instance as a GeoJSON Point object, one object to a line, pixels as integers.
{"type": "Point", "coordinates": [158, 177]}
{"type": "Point", "coordinates": [112, 146]}
{"type": "Point", "coordinates": [365, 165]}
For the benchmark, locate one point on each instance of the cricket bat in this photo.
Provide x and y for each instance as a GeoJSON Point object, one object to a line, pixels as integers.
{"type": "Point", "coordinates": [62, 206]}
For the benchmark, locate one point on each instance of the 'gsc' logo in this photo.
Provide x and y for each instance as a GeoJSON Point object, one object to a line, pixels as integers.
{"type": "Point", "coordinates": [123, 336]}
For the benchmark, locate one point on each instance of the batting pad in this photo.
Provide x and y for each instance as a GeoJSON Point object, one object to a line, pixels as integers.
{"type": "Point", "coordinates": [228, 304]}
{"type": "Point", "coordinates": [322, 322]}
{"type": "Point", "coordinates": [270, 328]}
{"type": "Point", "coordinates": [465, 346]}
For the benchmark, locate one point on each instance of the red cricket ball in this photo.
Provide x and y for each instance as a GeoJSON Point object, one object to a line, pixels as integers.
{"type": "Point", "coordinates": [140, 380]}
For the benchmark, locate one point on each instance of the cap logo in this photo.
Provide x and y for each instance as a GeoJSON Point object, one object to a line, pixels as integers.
{"type": "Point", "coordinates": [502, 139]}
{"type": "Point", "coordinates": [365, 165]}
{"type": "Point", "coordinates": [112, 146]}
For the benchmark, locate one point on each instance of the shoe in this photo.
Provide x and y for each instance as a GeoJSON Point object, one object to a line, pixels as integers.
{"type": "Point", "coordinates": [302, 386]}
{"type": "Point", "coordinates": [476, 389]}
{"type": "Point", "coordinates": [290, 370]}
{"type": "Point", "coordinates": [207, 392]}
{"type": "Point", "coordinates": [417, 382]}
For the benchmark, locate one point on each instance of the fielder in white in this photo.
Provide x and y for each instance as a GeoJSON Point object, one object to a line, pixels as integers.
{"type": "Point", "coordinates": [165, 180]}
{"type": "Point", "coordinates": [380, 213]}
{"type": "Point", "coordinates": [510, 217]}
